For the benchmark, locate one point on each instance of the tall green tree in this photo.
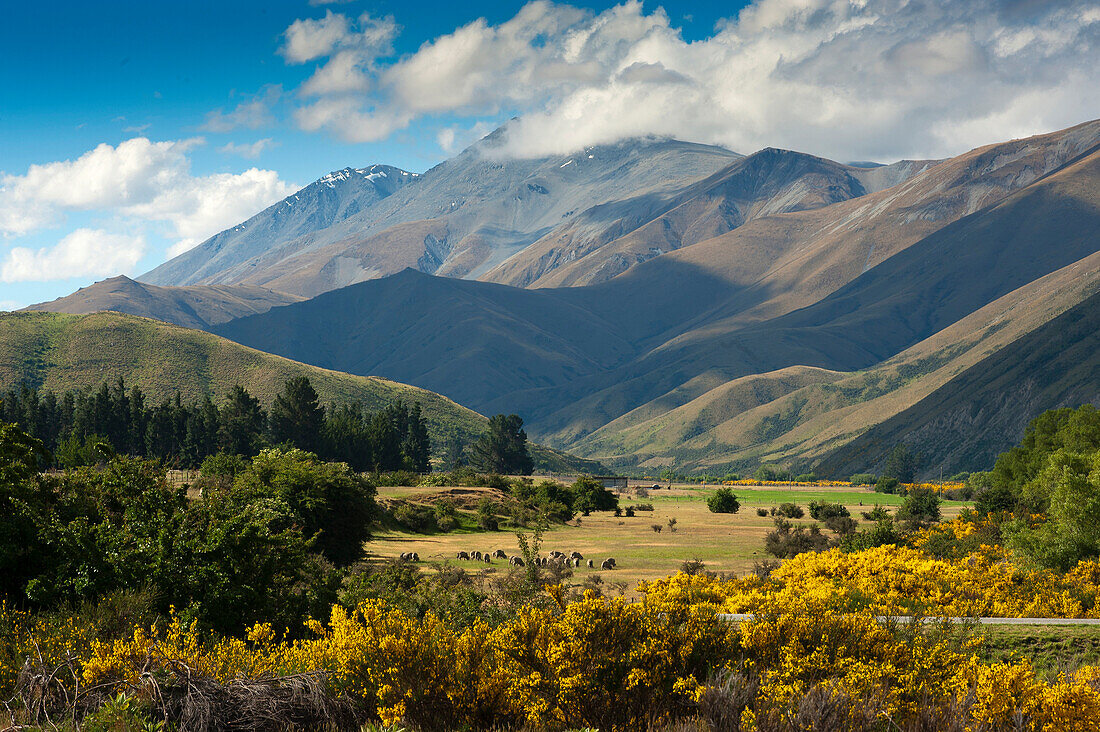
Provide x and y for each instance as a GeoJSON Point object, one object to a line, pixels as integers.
{"type": "Point", "coordinates": [504, 448]}
{"type": "Point", "coordinates": [417, 446]}
{"type": "Point", "coordinates": [902, 464]}
{"type": "Point", "coordinates": [1070, 483]}
{"type": "Point", "coordinates": [297, 416]}
{"type": "Point", "coordinates": [240, 423]}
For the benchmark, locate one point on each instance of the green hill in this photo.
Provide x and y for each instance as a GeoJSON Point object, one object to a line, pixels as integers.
{"type": "Point", "coordinates": [61, 352]}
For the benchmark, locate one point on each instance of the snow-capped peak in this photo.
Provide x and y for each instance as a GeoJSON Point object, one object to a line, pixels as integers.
{"type": "Point", "coordinates": [374, 172]}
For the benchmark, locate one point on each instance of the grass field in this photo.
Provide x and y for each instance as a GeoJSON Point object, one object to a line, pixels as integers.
{"type": "Point", "coordinates": [725, 542]}
{"type": "Point", "coordinates": [1051, 649]}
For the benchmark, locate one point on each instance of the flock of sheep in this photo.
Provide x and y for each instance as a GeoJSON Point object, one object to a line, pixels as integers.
{"type": "Point", "coordinates": [573, 559]}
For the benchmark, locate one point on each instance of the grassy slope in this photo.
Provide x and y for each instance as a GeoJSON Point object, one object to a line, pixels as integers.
{"type": "Point", "coordinates": [61, 352]}
{"type": "Point", "coordinates": [192, 307]}
{"type": "Point", "coordinates": [801, 414]}
{"type": "Point", "coordinates": [968, 421]}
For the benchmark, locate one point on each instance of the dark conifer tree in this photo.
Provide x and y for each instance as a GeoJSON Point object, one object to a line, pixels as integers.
{"type": "Point", "coordinates": [297, 416]}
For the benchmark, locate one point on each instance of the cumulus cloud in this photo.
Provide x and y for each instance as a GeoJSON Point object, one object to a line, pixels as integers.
{"type": "Point", "coordinates": [136, 184]}
{"type": "Point", "coordinates": [852, 79]}
{"type": "Point", "coordinates": [82, 253]}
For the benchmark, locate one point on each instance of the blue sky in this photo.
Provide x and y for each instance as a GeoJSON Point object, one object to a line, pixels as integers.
{"type": "Point", "coordinates": [133, 130]}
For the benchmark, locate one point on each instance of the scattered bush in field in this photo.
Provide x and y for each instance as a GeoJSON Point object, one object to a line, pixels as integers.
{"type": "Point", "coordinates": [787, 540]}
{"type": "Point", "coordinates": [863, 479]}
{"type": "Point", "coordinates": [823, 510]}
{"type": "Point", "coordinates": [630, 512]}
{"type": "Point", "coordinates": [841, 524]}
{"type": "Point", "coordinates": [588, 494]}
{"type": "Point", "coordinates": [882, 533]}
{"type": "Point", "coordinates": [486, 515]}
{"type": "Point", "coordinates": [413, 517]}
{"type": "Point", "coordinates": [878, 513]}
{"type": "Point", "coordinates": [723, 500]}
{"type": "Point", "coordinates": [656, 528]}
{"type": "Point", "coordinates": [672, 524]}
{"type": "Point", "coordinates": [790, 510]}
{"type": "Point", "coordinates": [920, 508]}
{"type": "Point", "coordinates": [643, 507]}
{"type": "Point", "coordinates": [761, 512]}
{"type": "Point", "coordinates": [693, 566]}
{"type": "Point", "coordinates": [763, 568]}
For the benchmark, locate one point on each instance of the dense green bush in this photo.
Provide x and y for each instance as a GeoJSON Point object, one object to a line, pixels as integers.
{"type": "Point", "coordinates": [790, 510]}
{"type": "Point", "coordinates": [823, 510]}
{"type": "Point", "coordinates": [723, 500]}
{"type": "Point", "coordinates": [588, 494]}
{"type": "Point", "coordinates": [887, 484]}
{"type": "Point", "coordinates": [863, 479]}
{"type": "Point", "coordinates": [335, 505]}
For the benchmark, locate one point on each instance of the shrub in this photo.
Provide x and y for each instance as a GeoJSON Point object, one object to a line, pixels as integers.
{"type": "Point", "coordinates": [413, 517]}
{"type": "Point", "coordinates": [920, 508]}
{"type": "Point", "coordinates": [790, 510]}
{"type": "Point", "coordinates": [656, 528]}
{"type": "Point", "coordinates": [863, 479]}
{"type": "Point", "coordinates": [761, 512]}
{"type": "Point", "coordinates": [335, 506]}
{"type": "Point", "coordinates": [841, 524]}
{"type": "Point", "coordinates": [878, 513]}
{"type": "Point", "coordinates": [787, 540]}
{"type": "Point", "coordinates": [588, 494]}
{"type": "Point", "coordinates": [396, 478]}
{"type": "Point", "coordinates": [881, 534]}
{"type": "Point", "coordinates": [806, 478]}
{"type": "Point", "coordinates": [723, 500]}
{"type": "Point", "coordinates": [887, 484]}
{"type": "Point", "coordinates": [643, 507]}
{"type": "Point", "coordinates": [823, 510]}
{"type": "Point", "coordinates": [630, 512]}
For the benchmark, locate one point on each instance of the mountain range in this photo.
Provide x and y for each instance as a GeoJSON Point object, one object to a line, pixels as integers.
{"type": "Point", "coordinates": [663, 303]}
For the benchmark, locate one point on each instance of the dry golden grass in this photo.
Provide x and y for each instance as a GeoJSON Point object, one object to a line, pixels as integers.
{"type": "Point", "coordinates": [724, 542]}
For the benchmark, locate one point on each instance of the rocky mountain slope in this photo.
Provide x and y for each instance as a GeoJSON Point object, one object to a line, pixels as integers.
{"type": "Point", "coordinates": [971, 419]}
{"type": "Point", "coordinates": [459, 219]}
{"type": "Point", "coordinates": [321, 205]}
{"type": "Point", "coordinates": [783, 302]}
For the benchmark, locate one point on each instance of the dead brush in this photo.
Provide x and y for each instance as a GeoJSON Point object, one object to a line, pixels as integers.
{"type": "Point", "coordinates": [190, 701]}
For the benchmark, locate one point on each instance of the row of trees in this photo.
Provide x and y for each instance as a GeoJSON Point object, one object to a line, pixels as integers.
{"type": "Point", "coordinates": [73, 424]}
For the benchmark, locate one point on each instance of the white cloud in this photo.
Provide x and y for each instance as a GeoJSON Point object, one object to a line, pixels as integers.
{"type": "Point", "coordinates": [82, 253]}
{"type": "Point", "coordinates": [308, 39]}
{"type": "Point", "coordinates": [852, 79]}
{"type": "Point", "coordinates": [453, 139]}
{"type": "Point", "coordinates": [136, 184]}
{"type": "Point", "coordinates": [252, 114]}
{"type": "Point", "coordinates": [250, 150]}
